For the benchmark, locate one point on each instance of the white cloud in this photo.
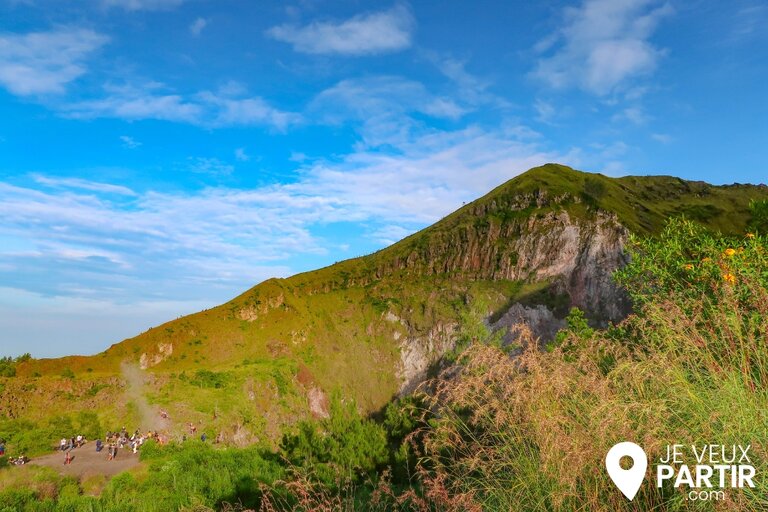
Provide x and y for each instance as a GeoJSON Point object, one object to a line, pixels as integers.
{"type": "Point", "coordinates": [662, 137]}
{"type": "Point", "coordinates": [750, 20]}
{"type": "Point", "coordinates": [365, 34]}
{"type": "Point", "coordinates": [384, 107]}
{"type": "Point", "coordinates": [113, 241]}
{"type": "Point", "coordinates": [391, 233]}
{"type": "Point", "coordinates": [137, 103]}
{"type": "Point", "coordinates": [246, 112]}
{"type": "Point", "coordinates": [468, 88]}
{"type": "Point", "coordinates": [545, 112]}
{"type": "Point", "coordinates": [143, 5]}
{"type": "Point", "coordinates": [210, 166]}
{"type": "Point", "coordinates": [81, 184]}
{"type": "Point", "coordinates": [197, 26]}
{"type": "Point", "coordinates": [603, 45]}
{"type": "Point", "coordinates": [635, 115]}
{"type": "Point", "coordinates": [129, 142]}
{"type": "Point", "coordinates": [205, 108]}
{"type": "Point", "coordinates": [45, 62]}
{"type": "Point", "coordinates": [423, 179]}
{"type": "Point", "coordinates": [241, 155]}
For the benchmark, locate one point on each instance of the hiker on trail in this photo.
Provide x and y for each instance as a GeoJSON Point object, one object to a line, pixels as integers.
{"type": "Point", "coordinates": [111, 451]}
{"type": "Point", "coordinates": [2, 447]}
{"type": "Point", "coordinates": [203, 437]}
{"type": "Point", "coordinates": [68, 458]}
{"type": "Point", "coordinates": [99, 445]}
{"type": "Point", "coordinates": [63, 444]}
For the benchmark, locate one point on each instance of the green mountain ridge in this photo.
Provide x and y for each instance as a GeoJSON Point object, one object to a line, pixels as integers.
{"type": "Point", "coordinates": [372, 327]}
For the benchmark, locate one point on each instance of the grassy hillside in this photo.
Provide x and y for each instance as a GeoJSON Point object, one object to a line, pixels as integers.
{"type": "Point", "coordinates": [530, 434]}
{"type": "Point", "coordinates": [247, 367]}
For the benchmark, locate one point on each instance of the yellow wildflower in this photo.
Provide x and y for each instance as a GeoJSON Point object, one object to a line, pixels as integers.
{"type": "Point", "coordinates": [688, 266]}
{"type": "Point", "coordinates": [729, 252]}
{"type": "Point", "coordinates": [706, 260]}
{"type": "Point", "coordinates": [750, 235]}
{"type": "Point", "coordinates": [729, 278]}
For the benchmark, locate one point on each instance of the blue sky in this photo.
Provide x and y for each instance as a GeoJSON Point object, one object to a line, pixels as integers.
{"type": "Point", "coordinates": [158, 157]}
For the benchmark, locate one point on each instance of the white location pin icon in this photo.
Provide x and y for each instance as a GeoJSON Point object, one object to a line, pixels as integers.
{"type": "Point", "coordinates": [627, 480]}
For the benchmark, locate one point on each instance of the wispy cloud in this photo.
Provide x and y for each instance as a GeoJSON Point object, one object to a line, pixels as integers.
{"type": "Point", "coordinates": [45, 62]}
{"type": "Point", "coordinates": [210, 166]}
{"type": "Point", "coordinates": [391, 233]}
{"type": "Point", "coordinates": [81, 184]}
{"type": "Point", "coordinates": [117, 242]}
{"type": "Point", "coordinates": [206, 108]}
{"type": "Point", "coordinates": [230, 111]}
{"type": "Point", "coordinates": [383, 106]}
{"type": "Point", "coordinates": [241, 155]}
{"type": "Point", "coordinates": [545, 111]}
{"type": "Point", "coordinates": [129, 142]}
{"type": "Point", "coordinates": [196, 28]}
{"type": "Point", "coordinates": [365, 34]}
{"type": "Point", "coordinates": [635, 115]}
{"type": "Point", "coordinates": [749, 21]}
{"type": "Point", "coordinates": [602, 46]}
{"type": "Point", "coordinates": [143, 5]}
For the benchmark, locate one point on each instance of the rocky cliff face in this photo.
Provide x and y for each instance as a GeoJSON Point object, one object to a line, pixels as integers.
{"type": "Point", "coordinates": [577, 256]}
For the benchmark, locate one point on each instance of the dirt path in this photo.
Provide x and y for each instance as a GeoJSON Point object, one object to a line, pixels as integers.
{"type": "Point", "coordinates": [150, 416]}
{"type": "Point", "coordinates": [86, 462]}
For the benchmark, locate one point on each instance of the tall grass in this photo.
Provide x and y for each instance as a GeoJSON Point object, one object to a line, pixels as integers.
{"type": "Point", "coordinates": [690, 368]}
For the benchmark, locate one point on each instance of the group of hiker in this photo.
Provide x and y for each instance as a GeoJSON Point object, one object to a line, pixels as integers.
{"type": "Point", "coordinates": [113, 441]}
{"type": "Point", "coordinates": [72, 443]}
{"type": "Point", "coordinates": [13, 461]}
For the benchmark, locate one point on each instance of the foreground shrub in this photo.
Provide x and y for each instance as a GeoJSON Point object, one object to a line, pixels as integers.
{"type": "Point", "coordinates": [344, 446]}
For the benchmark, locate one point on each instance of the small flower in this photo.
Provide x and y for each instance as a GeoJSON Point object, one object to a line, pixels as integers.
{"type": "Point", "coordinates": [706, 260]}
{"type": "Point", "coordinates": [729, 278]}
{"type": "Point", "coordinates": [688, 266]}
{"type": "Point", "coordinates": [730, 252]}
{"type": "Point", "coordinates": [750, 235]}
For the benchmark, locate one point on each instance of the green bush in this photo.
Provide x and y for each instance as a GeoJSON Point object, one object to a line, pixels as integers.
{"type": "Point", "coordinates": [8, 364]}
{"type": "Point", "coordinates": [209, 379]}
{"type": "Point", "coordinates": [759, 219]}
{"type": "Point", "coordinates": [344, 446]}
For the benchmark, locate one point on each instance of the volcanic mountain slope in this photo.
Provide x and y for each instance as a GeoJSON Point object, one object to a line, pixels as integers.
{"type": "Point", "coordinates": [370, 328]}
